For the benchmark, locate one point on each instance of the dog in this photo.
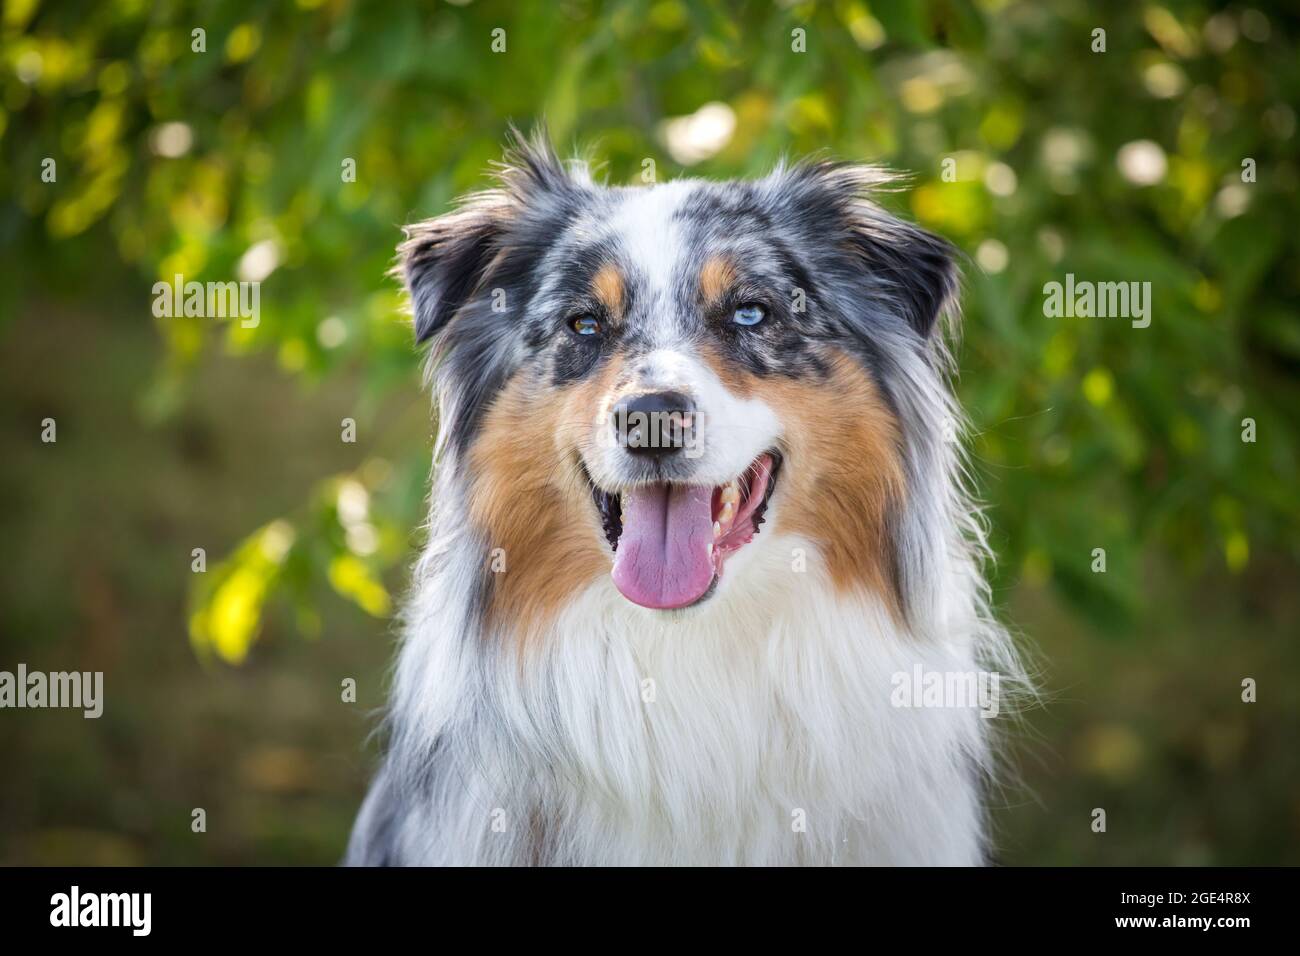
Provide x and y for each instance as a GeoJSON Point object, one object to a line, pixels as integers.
{"type": "Point", "coordinates": [699, 519]}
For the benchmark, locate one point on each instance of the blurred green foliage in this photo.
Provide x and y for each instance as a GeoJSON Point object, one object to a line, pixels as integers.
{"type": "Point", "coordinates": [230, 162]}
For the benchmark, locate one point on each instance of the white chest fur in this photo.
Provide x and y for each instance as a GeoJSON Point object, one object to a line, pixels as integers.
{"type": "Point", "coordinates": [761, 731]}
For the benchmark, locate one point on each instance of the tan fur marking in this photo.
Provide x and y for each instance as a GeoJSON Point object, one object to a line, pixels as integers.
{"type": "Point", "coordinates": [846, 474]}
{"type": "Point", "coordinates": [843, 474]}
{"type": "Point", "coordinates": [607, 287]}
{"type": "Point", "coordinates": [717, 276]}
{"type": "Point", "coordinates": [531, 499]}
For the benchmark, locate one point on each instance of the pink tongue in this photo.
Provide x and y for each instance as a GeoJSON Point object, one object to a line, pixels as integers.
{"type": "Point", "coordinates": [663, 556]}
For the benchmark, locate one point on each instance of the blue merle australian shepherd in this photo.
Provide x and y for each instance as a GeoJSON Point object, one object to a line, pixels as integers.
{"type": "Point", "coordinates": [698, 515]}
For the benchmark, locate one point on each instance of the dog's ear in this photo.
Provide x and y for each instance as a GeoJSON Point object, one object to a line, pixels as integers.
{"type": "Point", "coordinates": [917, 267]}
{"type": "Point", "coordinates": [911, 267]}
{"type": "Point", "coordinates": [445, 261]}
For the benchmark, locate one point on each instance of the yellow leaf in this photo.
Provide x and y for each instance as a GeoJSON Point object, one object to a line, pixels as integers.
{"type": "Point", "coordinates": [354, 580]}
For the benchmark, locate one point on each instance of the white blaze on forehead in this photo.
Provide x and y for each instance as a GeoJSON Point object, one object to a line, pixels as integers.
{"type": "Point", "coordinates": [652, 244]}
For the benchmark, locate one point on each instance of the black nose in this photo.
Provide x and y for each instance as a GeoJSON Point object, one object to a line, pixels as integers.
{"type": "Point", "coordinates": [655, 423]}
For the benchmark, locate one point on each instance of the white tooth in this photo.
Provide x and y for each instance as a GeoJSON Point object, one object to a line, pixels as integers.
{"type": "Point", "coordinates": [728, 513]}
{"type": "Point", "coordinates": [717, 531]}
{"type": "Point", "coordinates": [730, 493]}
{"type": "Point", "coordinates": [710, 552]}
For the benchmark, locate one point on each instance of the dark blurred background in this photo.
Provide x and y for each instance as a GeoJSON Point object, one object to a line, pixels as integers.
{"type": "Point", "coordinates": [224, 156]}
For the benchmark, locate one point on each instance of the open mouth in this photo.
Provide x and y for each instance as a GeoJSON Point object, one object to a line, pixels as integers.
{"type": "Point", "coordinates": [671, 540]}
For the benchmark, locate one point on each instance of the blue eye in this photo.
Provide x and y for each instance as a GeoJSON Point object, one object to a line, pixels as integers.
{"type": "Point", "coordinates": [585, 325]}
{"type": "Point", "coordinates": [749, 314]}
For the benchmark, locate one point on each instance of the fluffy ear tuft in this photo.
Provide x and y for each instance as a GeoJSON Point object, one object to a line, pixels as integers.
{"type": "Point", "coordinates": [445, 261]}
{"type": "Point", "coordinates": [910, 265]}
{"type": "Point", "coordinates": [530, 167]}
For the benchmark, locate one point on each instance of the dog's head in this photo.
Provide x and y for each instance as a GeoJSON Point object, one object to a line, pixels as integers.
{"type": "Point", "coordinates": [640, 383]}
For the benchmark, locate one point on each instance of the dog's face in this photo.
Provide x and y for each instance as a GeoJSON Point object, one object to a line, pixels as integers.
{"type": "Point", "coordinates": [640, 383]}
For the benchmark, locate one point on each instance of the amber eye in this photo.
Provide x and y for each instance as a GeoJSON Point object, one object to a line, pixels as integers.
{"type": "Point", "coordinates": [585, 324]}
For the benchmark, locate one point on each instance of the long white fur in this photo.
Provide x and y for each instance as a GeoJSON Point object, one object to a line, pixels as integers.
{"type": "Point", "coordinates": [771, 710]}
